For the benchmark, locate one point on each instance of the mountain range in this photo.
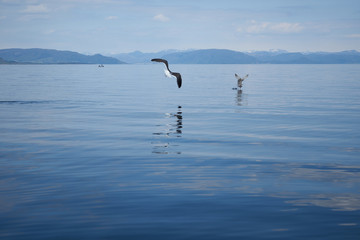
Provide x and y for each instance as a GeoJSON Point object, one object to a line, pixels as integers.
{"type": "Point", "coordinates": [224, 56]}
{"type": "Point", "coordinates": [49, 56]}
{"type": "Point", "coordinates": [204, 56]}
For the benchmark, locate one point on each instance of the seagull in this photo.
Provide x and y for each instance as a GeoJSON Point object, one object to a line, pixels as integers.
{"type": "Point", "coordinates": [240, 80]}
{"type": "Point", "coordinates": [168, 72]}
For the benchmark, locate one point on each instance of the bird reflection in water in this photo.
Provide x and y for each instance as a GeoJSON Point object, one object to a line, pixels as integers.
{"type": "Point", "coordinates": [239, 98]}
{"type": "Point", "coordinates": [166, 138]}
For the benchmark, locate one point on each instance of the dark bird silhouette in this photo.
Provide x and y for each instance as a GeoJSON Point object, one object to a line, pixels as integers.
{"type": "Point", "coordinates": [240, 80]}
{"type": "Point", "coordinates": [170, 73]}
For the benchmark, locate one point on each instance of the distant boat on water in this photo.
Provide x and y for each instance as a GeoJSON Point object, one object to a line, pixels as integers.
{"type": "Point", "coordinates": [100, 65]}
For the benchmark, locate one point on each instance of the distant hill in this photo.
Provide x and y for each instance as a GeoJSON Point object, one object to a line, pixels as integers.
{"type": "Point", "coordinates": [339, 57]}
{"type": "Point", "coordinates": [140, 57]}
{"type": "Point", "coordinates": [2, 61]}
{"type": "Point", "coordinates": [49, 56]}
{"type": "Point", "coordinates": [222, 56]}
{"type": "Point", "coordinates": [281, 57]}
{"type": "Point", "coordinates": [210, 56]}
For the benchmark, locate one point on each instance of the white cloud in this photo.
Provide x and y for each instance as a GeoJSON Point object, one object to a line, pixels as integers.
{"type": "Point", "coordinates": [269, 27]}
{"type": "Point", "coordinates": [41, 8]}
{"type": "Point", "coordinates": [356, 35]}
{"type": "Point", "coordinates": [161, 18]}
{"type": "Point", "coordinates": [285, 27]}
{"type": "Point", "coordinates": [48, 32]}
{"type": "Point", "coordinates": [111, 18]}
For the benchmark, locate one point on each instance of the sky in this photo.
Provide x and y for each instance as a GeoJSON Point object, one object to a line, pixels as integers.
{"type": "Point", "coordinates": [121, 26]}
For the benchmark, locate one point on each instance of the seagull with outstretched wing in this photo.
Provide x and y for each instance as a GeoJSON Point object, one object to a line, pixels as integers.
{"type": "Point", "coordinates": [168, 72]}
{"type": "Point", "coordinates": [240, 80]}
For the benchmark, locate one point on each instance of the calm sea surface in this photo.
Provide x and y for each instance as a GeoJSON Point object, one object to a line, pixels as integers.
{"type": "Point", "coordinates": [121, 153]}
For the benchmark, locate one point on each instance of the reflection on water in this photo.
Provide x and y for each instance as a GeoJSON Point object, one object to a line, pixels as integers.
{"type": "Point", "coordinates": [167, 133]}
{"type": "Point", "coordinates": [23, 102]}
{"type": "Point", "coordinates": [239, 97]}
{"type": "Point", "coordinates": [343, 177]}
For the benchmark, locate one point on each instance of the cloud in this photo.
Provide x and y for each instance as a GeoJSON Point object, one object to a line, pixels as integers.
{"type": "Point", "coordinates": [41, 8]}
{"type": "Point", "coordinates": [161, 18]}
{"type": "Point", "coordinates": [48, 32]}
{"type": "Point", "coordinates": [356, 35]}
{"type": "Point", "coordinates": [287, 27]}
{"type": "Point", "coordinates": [111, 18]}
{"type": "Point", "coordinates": [255, 27]}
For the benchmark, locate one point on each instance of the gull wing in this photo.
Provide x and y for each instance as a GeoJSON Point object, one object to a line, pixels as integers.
{"type": "Point", "coordinates": [178, 78]}
{"type": "Point", "coordinates": [161, 60]}
{"type": "Point", "coordinates": [239, 78]}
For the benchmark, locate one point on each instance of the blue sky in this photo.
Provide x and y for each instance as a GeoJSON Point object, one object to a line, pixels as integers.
{"type": "Point", "coordinates": [117, 26]}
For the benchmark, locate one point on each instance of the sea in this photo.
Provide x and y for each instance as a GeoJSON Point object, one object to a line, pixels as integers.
{"type": "Point", "coordinates": [120, 152]}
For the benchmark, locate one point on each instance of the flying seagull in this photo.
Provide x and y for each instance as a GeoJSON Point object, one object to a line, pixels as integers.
{"type": "Point", "coordinates": [168, 72]}
{"type": "Point", "coordinates": [240, 80]}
